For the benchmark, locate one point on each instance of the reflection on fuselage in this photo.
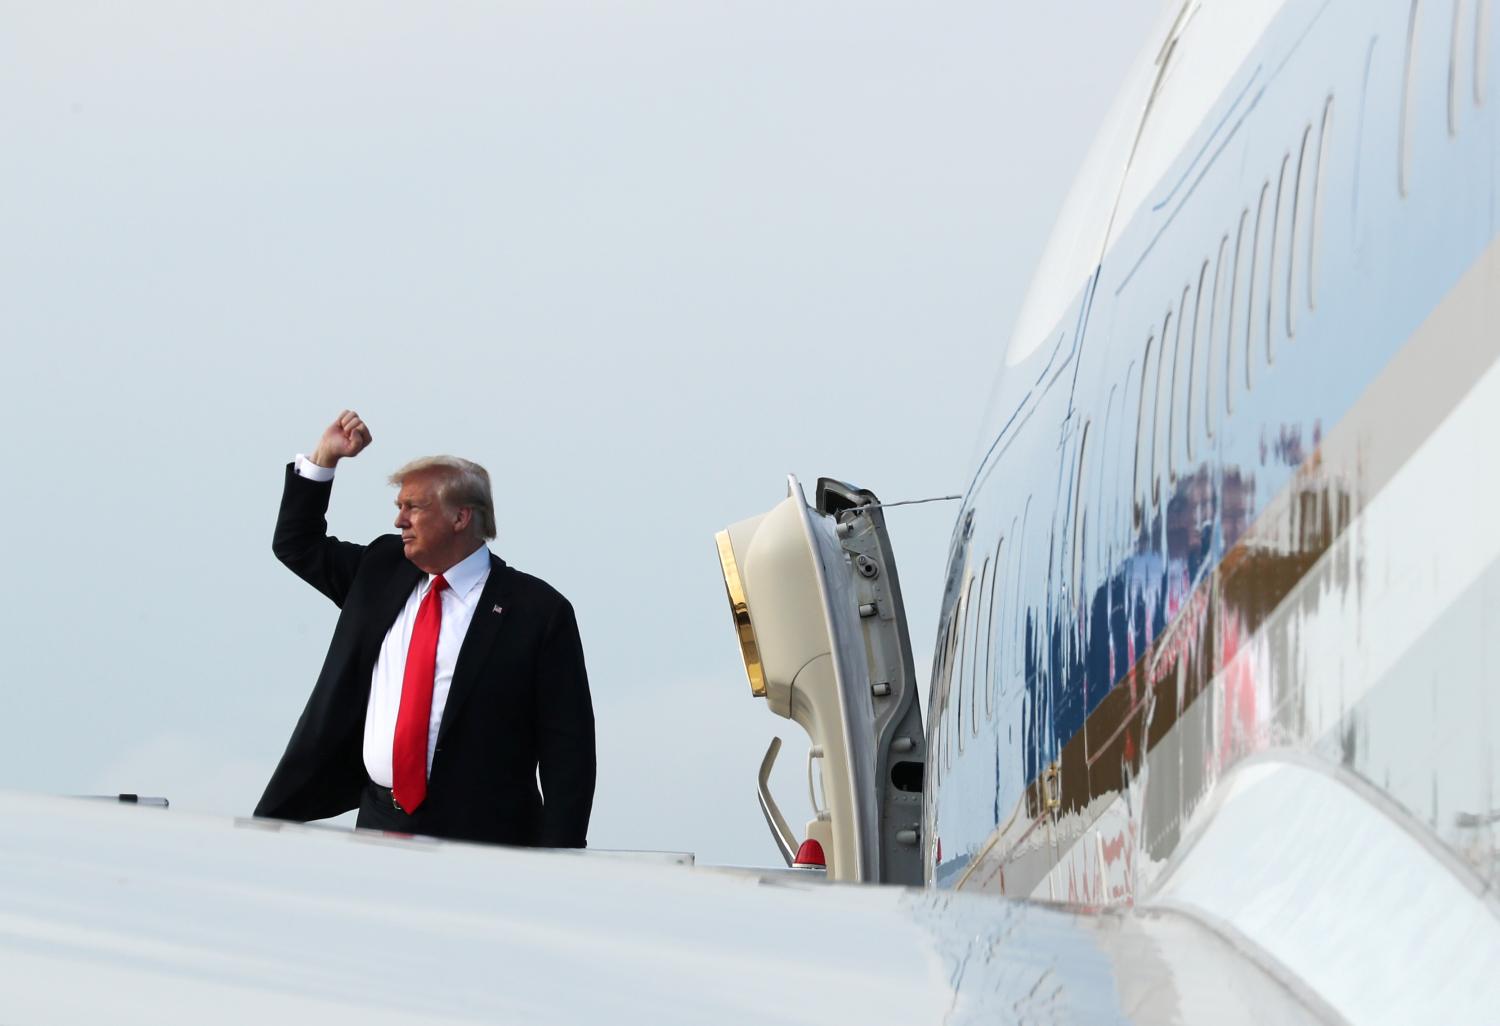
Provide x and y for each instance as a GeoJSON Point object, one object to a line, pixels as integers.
{"type": "Point", "coordinates": [1221, 519]}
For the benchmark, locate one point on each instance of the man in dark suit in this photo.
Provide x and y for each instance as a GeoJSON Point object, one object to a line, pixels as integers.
{"type": "Point", "coordinates": [453, 682]}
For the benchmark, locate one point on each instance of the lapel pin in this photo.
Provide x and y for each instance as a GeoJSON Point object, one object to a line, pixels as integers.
{"type": "Point", "coordinates": [499, 609]}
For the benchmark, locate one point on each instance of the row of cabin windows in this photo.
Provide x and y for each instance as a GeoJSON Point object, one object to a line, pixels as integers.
{"type": "Point", "coordinates": [1219, 309]}
{"type": "Point", "coordinates": [1231, 306]}
{"type": "Point", "coordinates": [1234, 302]}
{"type": "Point", "coordinates": [1239, 289]}
{"type": "Point", "coordinates": [1246, 294]}
{"type": "Point", "coordinates": [978, 638]}
{"type": "Point", "coordinates": [1468, 40]}
{"type": "Point", "coordinates": [1248, 266]}
{"type": "Point", "coordinates": [1230, 316]}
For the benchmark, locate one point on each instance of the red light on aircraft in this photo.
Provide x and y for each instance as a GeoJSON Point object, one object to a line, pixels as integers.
{"type": "Point", "coordinates": [809, 856]}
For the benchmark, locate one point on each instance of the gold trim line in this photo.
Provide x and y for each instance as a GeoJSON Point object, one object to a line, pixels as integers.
{"type": "Point", "coordinates": [739, 605]}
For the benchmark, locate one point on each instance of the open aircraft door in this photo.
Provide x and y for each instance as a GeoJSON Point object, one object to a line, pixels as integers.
{"type": "Point", "coordinates": [817, 608]}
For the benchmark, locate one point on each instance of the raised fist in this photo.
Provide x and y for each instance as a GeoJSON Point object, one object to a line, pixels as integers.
{"type": "Point", "coordinates": [346, 436]}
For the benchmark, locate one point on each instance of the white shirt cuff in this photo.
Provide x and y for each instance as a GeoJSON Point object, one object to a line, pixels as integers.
{"type": "Point", "coordinates": [310, 470]}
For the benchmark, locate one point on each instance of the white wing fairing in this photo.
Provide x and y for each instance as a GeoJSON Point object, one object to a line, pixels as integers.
{"type": "Point", "coordinates": [817, 607]}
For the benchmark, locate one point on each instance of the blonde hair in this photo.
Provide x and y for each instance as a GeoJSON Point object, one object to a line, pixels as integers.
{"type": "Point", "coordinates": [461, 484]}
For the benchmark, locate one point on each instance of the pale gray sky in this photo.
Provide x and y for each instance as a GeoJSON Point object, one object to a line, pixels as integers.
{"type": "Point", "coordinates": [641, 260]}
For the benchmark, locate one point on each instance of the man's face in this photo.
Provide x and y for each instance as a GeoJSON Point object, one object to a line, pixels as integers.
{"type": "Point", "coordinates": [428, 529]}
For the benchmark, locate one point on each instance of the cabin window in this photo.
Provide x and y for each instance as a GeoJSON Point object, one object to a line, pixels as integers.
{"type": "Point", "coordinates": [1277, 252]}
{"type": "Point", "coordinates": [979, 636]}
{"type": "Point", "coordinates": [961, 664]}
{"type": "Point", "coordinates": [935, 746]}
{"type": "Point", "coordinates": [950, 647]}
{"type": "Point", "coordinates": [1320, 175]}
{"type": "Point", "coordinates": [1218, 322]}
{"type": "Point", "coordinates": [1161, 402]}
{"type": "Point", "coordinates": [1080, 515]}
{"type": "Point", "coordinates": [1103, 524]}
{"type": "Point", "coordinates": [1017, 613]}
{"type": "Point", "coordinates": [1120, 526]}
{"type": "Point", "coordinates": [940, 667]}
{"type": "Point", "coordinates": [1455, 76]}
{"type": "Point", "coordinates": [965, 661]}
{"type": "Point", "coordinates": [940, 713]}
{"type": "Point", "coordinates": [1481, 49]}
{"type": "Point", "coordinates": [1301, 202]}
{"type": "Point", "coordinates": [992, 631]}
{"type": "Point", "coordinates": [1408, 102]}
{"type": "Point", "coordinates": [1140, 487]}
{"type": "Point", "coordinates": [1006, 609]}
{"type": "Point", "coordinates": [1260, 257]}
{"type": "Point", "coordinates": [1202, 319]}
{"type": "Point", "coordinates": [1281, 234]}
{"type": "Point", "coordinates": [1240, 287]}
{"type": "Point", "coordinates": [1177, 423]}
{"type": "Point", "coordinates": [950, 695]}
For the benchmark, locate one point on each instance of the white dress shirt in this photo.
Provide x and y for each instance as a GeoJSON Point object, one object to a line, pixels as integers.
{"type": "Point", "coordinates": [465, 583]}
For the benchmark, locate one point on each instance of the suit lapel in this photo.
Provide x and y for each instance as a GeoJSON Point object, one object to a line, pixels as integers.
{"type": "Point", "coordinates": [385, 607]}
{"type": "Point", "coordinates": [484, 628]}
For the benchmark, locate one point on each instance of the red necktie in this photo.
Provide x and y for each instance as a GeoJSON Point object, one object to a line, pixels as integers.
{"type": "Point", "coordinates": [409, 753]}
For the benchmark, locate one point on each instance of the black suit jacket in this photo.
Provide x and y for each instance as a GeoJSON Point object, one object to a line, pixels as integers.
{"type": "Point", "coordinates": [518, 708]}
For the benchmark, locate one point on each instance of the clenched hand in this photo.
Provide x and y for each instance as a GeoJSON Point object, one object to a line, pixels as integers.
{"type": "Point", "coordinates": [346, 436]}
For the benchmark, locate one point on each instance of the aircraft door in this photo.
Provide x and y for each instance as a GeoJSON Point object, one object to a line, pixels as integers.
{"type": "Point", "coordinates": [819, 616]}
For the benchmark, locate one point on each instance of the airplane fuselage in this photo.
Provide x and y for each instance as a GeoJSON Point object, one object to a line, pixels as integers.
{"type": "Point", "coordinates": [1233, 508]}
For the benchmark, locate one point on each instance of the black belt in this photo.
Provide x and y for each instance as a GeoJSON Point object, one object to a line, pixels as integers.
{"type": "Point", "coordinates": [385, 796]}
